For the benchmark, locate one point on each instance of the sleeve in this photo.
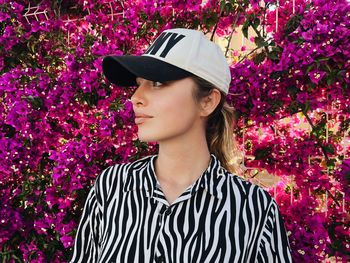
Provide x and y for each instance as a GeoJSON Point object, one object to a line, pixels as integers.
{"type": "Point", "coordinates": [274, 244]}
{"type": "Point", "coordinates": [86, 245]}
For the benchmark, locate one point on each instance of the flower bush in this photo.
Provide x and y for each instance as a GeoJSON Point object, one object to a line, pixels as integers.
{"type": "Point", "coordinates": [300, 70]}
{"type": "Point", "coordinates": [62, 123]}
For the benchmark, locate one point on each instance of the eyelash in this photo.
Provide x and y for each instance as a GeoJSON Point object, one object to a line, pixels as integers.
{"type": "Point", "coordinates": [154, 84]}
{"type": "Point", "coordinates": [157, 83]}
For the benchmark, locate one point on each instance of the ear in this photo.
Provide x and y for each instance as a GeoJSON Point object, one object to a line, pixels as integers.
{"type": "Point", "coordinates": [209, 103]}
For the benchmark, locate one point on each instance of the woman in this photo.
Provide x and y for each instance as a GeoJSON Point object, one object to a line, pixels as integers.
{"type": "Point", "coordinates": [182, 204]}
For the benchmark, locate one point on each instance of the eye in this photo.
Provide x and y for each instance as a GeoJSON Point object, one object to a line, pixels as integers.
{"type": "Point", "coordinates": [157, 83]}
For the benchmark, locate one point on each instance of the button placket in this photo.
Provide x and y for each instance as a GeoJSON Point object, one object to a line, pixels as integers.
{"type": "Point", "coordinates": [168, 211]}
{"type": "Point", "coordinates": [161, 217]}
{"type": "Point", "coordinates": [160, 259]}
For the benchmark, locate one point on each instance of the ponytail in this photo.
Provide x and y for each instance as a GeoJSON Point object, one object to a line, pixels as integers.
{"type": "Point", "coordinates": [219, 129]}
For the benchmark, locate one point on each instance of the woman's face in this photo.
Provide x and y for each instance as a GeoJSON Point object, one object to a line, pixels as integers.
{"type": "Point", "coordinates": [165, 111]}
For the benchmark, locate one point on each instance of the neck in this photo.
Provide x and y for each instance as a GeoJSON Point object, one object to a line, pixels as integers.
{"type": "Point", "coordinates": [182, 163]}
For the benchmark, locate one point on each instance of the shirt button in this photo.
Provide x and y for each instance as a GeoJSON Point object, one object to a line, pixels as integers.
{"type": "Point", "coordinates": [168, 211]}
{"type": "Point", "coordinates": [160, 259]}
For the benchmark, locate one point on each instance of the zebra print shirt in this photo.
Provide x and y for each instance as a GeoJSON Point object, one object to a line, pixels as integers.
{"type": "Point", "coordinates": [219, 218]}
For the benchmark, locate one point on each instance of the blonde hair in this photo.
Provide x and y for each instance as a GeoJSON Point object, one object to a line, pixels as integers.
{"type": "Point", "coordinates": [220, 129]}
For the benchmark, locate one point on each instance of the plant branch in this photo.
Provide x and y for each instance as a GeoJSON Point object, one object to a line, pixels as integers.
{"type": "Point", "coordinates": [333, 198]}
{"type": "Point", "coordinates": [257, 32]}
{"type": "Point", "coordinates": [233, 30]}
{"type": "Point", "coordinates": [216, 26]}
{"type": "Point", "coordinates": [245, 56]}
{"type": "Point", "coordinates": [317, 140]}
{"type": "Point", "coordinates": [324, 152]}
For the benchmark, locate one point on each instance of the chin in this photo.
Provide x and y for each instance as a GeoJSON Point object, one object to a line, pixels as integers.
{"type": "Point", "coordinates": [146, 137]}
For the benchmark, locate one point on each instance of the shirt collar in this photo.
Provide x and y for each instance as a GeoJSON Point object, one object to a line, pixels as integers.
{"type": "Point", "coordinates": [141, 176]}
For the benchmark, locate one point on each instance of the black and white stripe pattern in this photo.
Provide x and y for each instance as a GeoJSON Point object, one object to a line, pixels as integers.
{"type": "Point", "coordinates": [220, 218]}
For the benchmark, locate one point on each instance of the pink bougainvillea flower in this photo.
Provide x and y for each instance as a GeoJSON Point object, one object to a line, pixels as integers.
{"type": "Point", "coordinates": [316, 76]}
{"type": "Point", "coordinates": [67, 241]}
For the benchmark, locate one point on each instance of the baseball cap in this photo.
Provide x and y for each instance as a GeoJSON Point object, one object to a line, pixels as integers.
{"type": "Point", "coordinates": [175, 54]}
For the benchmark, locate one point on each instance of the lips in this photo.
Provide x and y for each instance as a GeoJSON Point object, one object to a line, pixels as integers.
{"type": "Point", "coordinates": [141, 118]}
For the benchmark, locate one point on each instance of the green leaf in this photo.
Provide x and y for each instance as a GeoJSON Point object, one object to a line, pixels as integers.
{"type": "Point", "coordinates": [306, 106]}
{"type": "Point", "coordinates": [262, 153]}
{"type": "Point", "coordinates": [245, 28]}
{"type": "Point", "coordinates": [347, 177]}
{"type": "Point", "coordinates": [322, 58]}
{"type": "Point", "coordinates": [299, 41]}
{"type": "Point", "coordinates": [331, 163]}
{"type": "Point", "coordinates": [292, 24]}
{"type": "Point", "coordinates": [9, 130]}
{"type": "Point", "coordinates": [309, 68]}
{"type": "Point", "coordinates": [228, 8]}
{"type": "Point", "coordinates": [273, 55]}
{"type": "Point", "coordinates": [36, 102]}
{"type": "Point", "coordinates": [276, 74]}
{"type": "Point", "coordinates": [260, 42]}
{"type": "Point", "coordinates": [330, 81]}
{"type": "Point", "coordinates": [73, 122]}
{"type": "Point", "coordinates": [329, 148]}
{"type": "Point", "coordinates": [260, 57]}
{"type": "Point", "coordinates": [116, 105]}
{"type": "Point", "coordinates": [222, 5]}
{"type": "Point", "coordinates": [344, 125]}
{"type": "Point", "coordinates": [256, 22]}
{"type": "Point", "coordinates": [293, 107]}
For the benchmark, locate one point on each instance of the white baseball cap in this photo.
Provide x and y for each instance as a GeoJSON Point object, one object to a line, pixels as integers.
{"type": "Point", "coordinates": [175, 54]}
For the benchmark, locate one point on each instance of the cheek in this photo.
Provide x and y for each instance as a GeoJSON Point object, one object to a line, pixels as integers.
{"type": "Point", "coordinates": [172, 117]}
{"type": "Point", "coordinates": [178, 112]}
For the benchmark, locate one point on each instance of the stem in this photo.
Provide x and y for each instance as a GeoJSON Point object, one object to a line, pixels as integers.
{"type": "Point", "coordinates": [216, 26]}
{"type": "Point", "coordinates": [233, 30]}
{"type": "Point", "coordinates": [259, 35]}
{"type": "Point", "coordinates": [264, 16]}
{"type": "Point", "coordinates": [317, 140]}
{"type": "Point", "coordinates": [253, 176]}
{"type": "Point", "coordinates": [245, 56]}
{"type": "Point", "coordinates": [332, 196]}
{"type": "Point", "coordinates": [7, 252]}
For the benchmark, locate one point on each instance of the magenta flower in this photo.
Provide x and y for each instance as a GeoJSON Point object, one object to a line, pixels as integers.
{"type": "Point", "coordinates": [316, 76]}
{"type": "Point", "coordinates": [67, 241]}
{"type": "Point", "coordinates": [343, 175]}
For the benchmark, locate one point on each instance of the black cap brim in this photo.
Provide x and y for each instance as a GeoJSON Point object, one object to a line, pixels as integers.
{"type": "Point", "coordinates": [123, 70]}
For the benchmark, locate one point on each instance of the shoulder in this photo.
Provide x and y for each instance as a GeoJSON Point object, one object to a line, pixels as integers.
{"type": "Point", "coordinates": [113, 175]}
{"type": "Point", "coordinates": [121, 169]}
{"type": "Point", "coordinates": [252, 193]}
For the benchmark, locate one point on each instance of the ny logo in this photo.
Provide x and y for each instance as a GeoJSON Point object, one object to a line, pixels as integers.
{"type": "Point", "coordinates": [172, 38]}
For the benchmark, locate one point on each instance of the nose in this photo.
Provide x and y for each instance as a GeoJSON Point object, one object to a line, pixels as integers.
{"type": "Point", "coordinates": [138, 98]}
